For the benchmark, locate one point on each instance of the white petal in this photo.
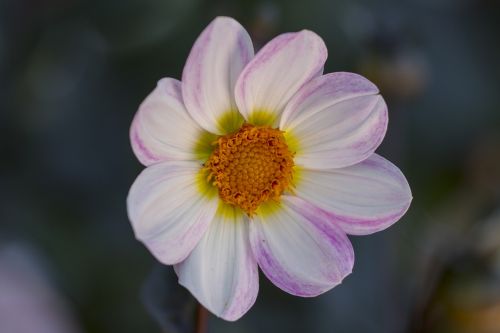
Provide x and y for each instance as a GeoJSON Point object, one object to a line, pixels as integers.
{"type": "Point", "coordinates": [221, 272]}
{"type": "Point", "coordinates": [299, 249]}
{"type": "Point", "coordinates": [335, 120]}
{"type": "Point", "coordinates": [170, 209]}
{"type": "Point", "coordinates": [162, 128]}
{"type": "Point", "coordinates": [276, 73]}
{"type": "Point", "coordinates": [363, 198]}
{"type": "Point", "coordinates": [210, 74]}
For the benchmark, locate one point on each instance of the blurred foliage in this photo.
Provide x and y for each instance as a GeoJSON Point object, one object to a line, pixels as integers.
{"type": "Point", "coordinates": [73, 72]}
{"type": "Point", "coordinates": [173, 307]}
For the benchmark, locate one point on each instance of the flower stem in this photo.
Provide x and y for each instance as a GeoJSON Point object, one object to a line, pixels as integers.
{"type": "Point", "coordinates": [201, 319]}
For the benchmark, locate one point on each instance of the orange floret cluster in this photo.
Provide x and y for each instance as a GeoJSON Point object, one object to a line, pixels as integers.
{"type": "Point", "coordinates": [251, 166]}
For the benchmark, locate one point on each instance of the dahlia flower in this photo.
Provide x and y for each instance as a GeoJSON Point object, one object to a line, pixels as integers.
{"type": "Point", "coordinates": [260, 161]}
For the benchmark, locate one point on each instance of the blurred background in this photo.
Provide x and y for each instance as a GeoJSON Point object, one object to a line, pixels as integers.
{"type": "Point", "coordinates": [72, 74]}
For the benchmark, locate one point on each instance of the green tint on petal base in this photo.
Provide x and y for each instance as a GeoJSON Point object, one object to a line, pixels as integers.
{"type": "Point", "coordinates": [229, 213]}
{"type": "Point", "coordinates": [230, 122]}
{"type": "Point", "coordinates": [296, 178]}
{"type": "Point", "coordinates": [262, 118]}
{"type": "Point", "coordinates": [292, 142]}
{"type": "Point", "coordinates": [204, 186]}
{"type": "Point", "coordinates": [268, 208]}
{"type": "Point", "coordinates": [205, 145]}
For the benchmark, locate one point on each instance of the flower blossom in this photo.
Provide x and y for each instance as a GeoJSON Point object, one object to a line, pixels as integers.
{"type": "Point", "coordinates": [260, 161]}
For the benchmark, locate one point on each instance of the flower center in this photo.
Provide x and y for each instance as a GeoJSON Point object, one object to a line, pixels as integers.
{"type": "Point", "coordinates": [251, 166]}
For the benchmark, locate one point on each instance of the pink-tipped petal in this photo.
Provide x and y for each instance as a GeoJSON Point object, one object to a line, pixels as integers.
{"type": "Point", "coordinates": [362, 199]}
{"type": "Point", "coordinates": [168, 209]}
{"type": "Point", "coordinates": [212, 68]}
{"type": "Point", "coordinates": [299, 250]}
{"type": "Point", "coordinates": [277, 72]}
{"type": "Point", "coordinates": [221, 272]}
{"type": "Point", "coordinates": [162, 128]}
{"type": "Point", "coordinates": [336, 120]}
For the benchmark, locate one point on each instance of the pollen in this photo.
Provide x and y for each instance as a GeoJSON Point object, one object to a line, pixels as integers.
{"type": "Point", "coordinates": [251, 166]}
